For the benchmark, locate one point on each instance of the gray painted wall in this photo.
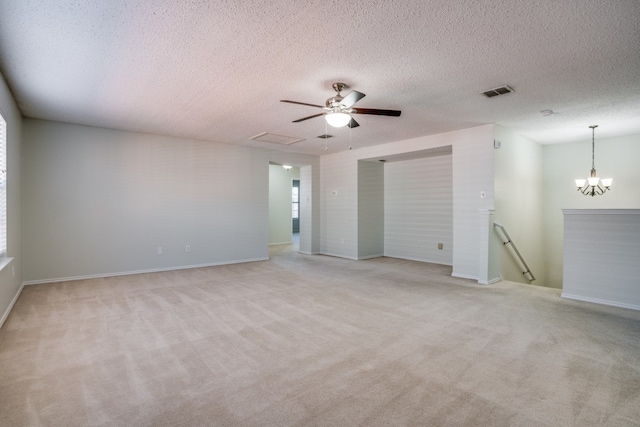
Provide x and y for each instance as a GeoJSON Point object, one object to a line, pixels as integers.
{"type": "Point", "coordinates": [370, 209]}
{"type": "Point", "coordinates": [519, 204]}
{"type": "Point", "coordinates": [100, 201]}
{"type": "Point", "coordinates": [310, 209]}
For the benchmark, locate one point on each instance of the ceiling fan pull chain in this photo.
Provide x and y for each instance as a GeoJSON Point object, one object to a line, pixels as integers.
{"type": "Point", "coordinates": [326, 133]}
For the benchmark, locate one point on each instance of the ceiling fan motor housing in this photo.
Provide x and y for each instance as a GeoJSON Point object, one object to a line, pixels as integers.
{"type": "Point", "coordinates": [334, 102]}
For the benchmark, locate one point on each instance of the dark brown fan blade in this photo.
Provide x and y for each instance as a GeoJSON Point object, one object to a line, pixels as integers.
{"type": "Point", "coordinates": [353, 124]}
{"type": "Point", "coordinates": [306, 118]}
{"type": "Point", "coordinates": [376, 112]}
{"type": "Point", "coordinates": [301, 103]}
{"type": "Point", "coordinates": [351, 98]}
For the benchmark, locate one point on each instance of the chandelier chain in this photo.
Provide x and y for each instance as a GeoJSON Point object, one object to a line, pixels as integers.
{"type": "Point", "coordinates": [593, 146]}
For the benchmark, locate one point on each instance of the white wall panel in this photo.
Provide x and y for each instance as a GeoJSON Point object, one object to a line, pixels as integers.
{"type": "Point", "coordinates": [601, 254]}
{"type": "Point", "coordinates": [473, 170]}
{"type": "Point", "coordinates": [418, 209]}
{"type": "Point", "coordinates": [339, 189]}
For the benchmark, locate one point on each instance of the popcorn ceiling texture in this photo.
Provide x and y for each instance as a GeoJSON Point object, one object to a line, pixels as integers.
{"type": "Point", "coordinates": [216, 70]}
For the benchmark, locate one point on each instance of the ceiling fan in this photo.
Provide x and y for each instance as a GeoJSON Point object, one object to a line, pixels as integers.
{"type": "Point", "coordinates": [339, 108]}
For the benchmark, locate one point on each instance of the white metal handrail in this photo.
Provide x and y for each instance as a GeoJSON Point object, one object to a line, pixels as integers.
{"type": "Point", "coordinates": [515, 249]}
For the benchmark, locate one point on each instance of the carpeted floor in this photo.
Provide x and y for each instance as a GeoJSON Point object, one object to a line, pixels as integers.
{"type": "Point", "coordinates": [315, 341]}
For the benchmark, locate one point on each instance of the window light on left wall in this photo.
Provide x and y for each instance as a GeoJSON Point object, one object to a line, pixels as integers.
{"type": "Point", "coordinates": [3, 190]}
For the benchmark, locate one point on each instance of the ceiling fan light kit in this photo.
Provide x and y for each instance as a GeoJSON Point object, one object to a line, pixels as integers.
{"type": "Point", "coordinates": [338, 108]}
{"type": "Point", "coordinates": [337, 119]}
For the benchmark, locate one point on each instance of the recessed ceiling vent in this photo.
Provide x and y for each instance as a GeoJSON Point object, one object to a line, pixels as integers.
{"type": "Point", "coordinates": [498, 91]}
{"type": "Point", "coordinates": [276, 139]}
{"type": "Point", "coordinates": [325, 136]}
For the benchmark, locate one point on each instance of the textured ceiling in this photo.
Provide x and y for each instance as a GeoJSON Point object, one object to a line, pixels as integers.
{"type": "Point", "coordinates": [216, 70]}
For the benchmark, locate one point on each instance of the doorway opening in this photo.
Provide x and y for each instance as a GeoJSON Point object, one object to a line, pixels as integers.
{"type": "Point", "coordinates": [295, 211]}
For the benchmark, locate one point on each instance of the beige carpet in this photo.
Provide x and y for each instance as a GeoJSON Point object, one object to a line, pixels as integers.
{"type": "Point", "coordinates": [315, 341]}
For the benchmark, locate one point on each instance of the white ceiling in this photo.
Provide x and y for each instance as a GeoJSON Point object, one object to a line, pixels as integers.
{"type": "Point", "coordinates": [216, 70]}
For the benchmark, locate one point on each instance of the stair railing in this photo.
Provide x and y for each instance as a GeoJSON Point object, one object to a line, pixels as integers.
{"type": "Point", "coordinates": [515, 249]}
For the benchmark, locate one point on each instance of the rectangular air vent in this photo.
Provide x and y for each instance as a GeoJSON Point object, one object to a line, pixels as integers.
{"type": "Point", "coordinates": [275, 138]}
{"type": "Point", "coordinates": [325, 136]}
{"type": "Point", "coordinates": [498, 91]}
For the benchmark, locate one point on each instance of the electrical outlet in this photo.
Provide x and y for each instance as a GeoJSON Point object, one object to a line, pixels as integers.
{"type": "Point", "coordinates": [159, 250]}
{"type": "Point", "coordinates": [187, 248]}
{"type": "Point", "coordinates": [13, 271]}
{"type": "Point", "coordinates": [440, 245]}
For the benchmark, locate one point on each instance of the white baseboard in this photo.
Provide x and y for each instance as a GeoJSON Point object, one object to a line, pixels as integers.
{"type": "Point", "coordinates": [430, 261]}
{"type": "Point", "coordinates": [464, 276]}
{"type": "Point", "coordinates": [13, 301]}
{"type": "Point", "coordinates": [338, 256]}
{"type": "Point", "coordinates": [370, 256]}
{"type": "Point", "coordinates": [600, 301]}
{"type": "Point", "coordinates": [281, 243]}
{"type": "Point", "coordinates": [127, 273]}
{"type": "Point", "coordinates": [490, 282]}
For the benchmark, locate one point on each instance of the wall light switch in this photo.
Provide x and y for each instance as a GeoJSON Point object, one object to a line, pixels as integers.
{"type": "Point", "coordinates": [159, 250]}
{"type": "Point", "coordinates": [187, 248]}
{"type": "Point", "coordinates": [440, 245]}
{"type": "Point", "coordinates": [483, 194]}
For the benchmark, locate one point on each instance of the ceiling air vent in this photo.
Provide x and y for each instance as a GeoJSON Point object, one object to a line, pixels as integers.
{"type": "Point", "coordinates": [276, 139]}
{"type": "Point", "coordinates": [497, 91]}
{"type": "Point", "coordinates": [325, 136]}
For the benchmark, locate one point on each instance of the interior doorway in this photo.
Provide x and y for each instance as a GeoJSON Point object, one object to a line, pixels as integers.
{"type": "Point", "coordinates": [281, 208]}
{"type": "Point", "coordinates": [295, 206]}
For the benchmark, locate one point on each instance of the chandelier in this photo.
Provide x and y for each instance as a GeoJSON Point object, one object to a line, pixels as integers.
{"type": "Point", "coordinates": [593, 185]}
